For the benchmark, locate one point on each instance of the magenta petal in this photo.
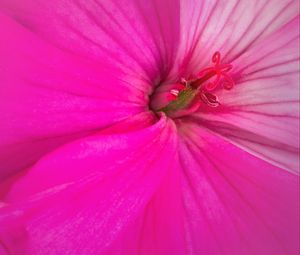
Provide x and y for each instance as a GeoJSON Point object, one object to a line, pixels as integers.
{"type": "Point", "coordinates": [261, 112]}
{"type": "Point", "coordinates": [77, 189]}
{"type": "Point", "coordinates": [159, 229]}
{"type": "Point", "coordinates": [236, 203]}
{"type": "Point", "coordinates": [49, 97]}
{"type": "Point", "coordinates": [136, 36]}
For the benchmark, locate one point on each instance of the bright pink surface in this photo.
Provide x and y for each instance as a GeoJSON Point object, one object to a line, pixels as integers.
{"type": "Point", "coordinates": [86, 168]}
{"type": "Point", "coordinates": [236, 203]}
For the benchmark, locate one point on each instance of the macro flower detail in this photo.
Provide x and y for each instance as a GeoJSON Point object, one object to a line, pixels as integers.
{"type": "Point", "coordinates": [191, 91]}
{"type": "Point", "coordinates": [160, 127]}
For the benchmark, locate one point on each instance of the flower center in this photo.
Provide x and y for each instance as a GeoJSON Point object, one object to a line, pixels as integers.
{"type": "Point", "coordinates": [186, 96]}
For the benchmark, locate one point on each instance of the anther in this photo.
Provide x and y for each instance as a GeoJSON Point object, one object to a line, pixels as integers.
{"type": "Point", "coordinates": [209, 99]}
{"type": "Point", "coordinates": [174, 92]}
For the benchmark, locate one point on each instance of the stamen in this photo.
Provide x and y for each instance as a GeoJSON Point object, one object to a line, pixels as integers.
{"type": "Point", "coordinates": [209, 99]}
{"type": "Point", "coordinates": [219, 72]}
{"type": "Point", "coordinates": [184, 97]}
{"type": "Point", "coordinates": [174, 92]}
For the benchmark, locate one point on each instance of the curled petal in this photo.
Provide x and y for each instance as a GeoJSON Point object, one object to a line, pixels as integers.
{"type": "Point", "coordinates": [75, 197]}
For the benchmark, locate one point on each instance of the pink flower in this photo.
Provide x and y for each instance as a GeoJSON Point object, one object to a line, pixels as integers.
{"type": "Point", "coordinates": [105, 150]}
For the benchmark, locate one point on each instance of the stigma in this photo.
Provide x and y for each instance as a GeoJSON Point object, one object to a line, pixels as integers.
{"type": "Point", "coordinates": [189, 95]}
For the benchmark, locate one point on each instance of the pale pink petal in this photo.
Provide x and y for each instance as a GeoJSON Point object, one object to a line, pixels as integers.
{"type": "Point", "coordinates": [82, 197]}
{"type": "Point", "coordinates": [235, 203]}
{"type": "Point", "coordinates": [231, 27]}
{"type": "Point", "coordinates": [49, 96]}
{"type": "Point", "coordinates": [261, 112]}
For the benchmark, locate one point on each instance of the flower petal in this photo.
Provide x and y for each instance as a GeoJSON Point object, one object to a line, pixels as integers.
{"type": "Point", "coordinates": [159, 230]}
{"type": "Point", "coordinates": [137, 36]}
{"type": "Point", "coordinates": [261, 113]}
{"type": "Point", "coordinates": [235, 203]}
{"type": "Point", "coordinates": [230, 27]}
{"type": "Point", "coordinates": [49, 96]}
{"type": "Point", "coordinates": [76, 189]}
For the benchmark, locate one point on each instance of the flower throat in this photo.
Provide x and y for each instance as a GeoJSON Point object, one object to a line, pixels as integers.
{"type": "Point", "coordinates": [187, 96]}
